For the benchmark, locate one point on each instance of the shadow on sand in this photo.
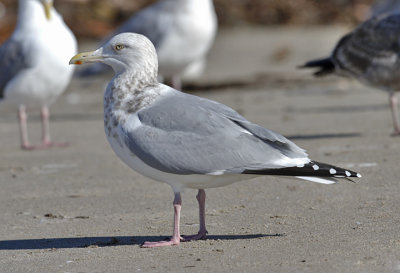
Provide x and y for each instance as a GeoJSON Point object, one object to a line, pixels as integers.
{"type": "Point", "coordinates": [83, 242]}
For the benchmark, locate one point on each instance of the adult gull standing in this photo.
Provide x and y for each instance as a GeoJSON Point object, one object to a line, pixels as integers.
{"type": "Point", "coordinates": [370, 54]}
{"type": "Point", "coordinates": [182, 32]}
{"type": "Point", "coordinates": [33, 64]}
{"type": "Point", "coordinates": [184, 140]}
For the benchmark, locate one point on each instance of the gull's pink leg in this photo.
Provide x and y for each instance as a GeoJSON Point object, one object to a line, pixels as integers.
{"type": "Point", "coordinates": [201, 198]}
{"type": "Point", "coordinates": [395, 114]}
{"type": "Point", "coordinates": [45, 126]}
{"type": "Point", "coordinates": [22, 117]}
{"type": "Point", "coordinates": [176, 238]}
{"type": "Point", "coordinates": [46, 140]}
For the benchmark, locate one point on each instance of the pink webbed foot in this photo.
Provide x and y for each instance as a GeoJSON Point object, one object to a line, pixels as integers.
{"type": "Point", "coordinates": [184, 238]}
{"type": "Point", "coordinates": [173, 241]}
{"type": "Point", "coordinates": [44, 145]}
{"type": "Point", "coordinates": [199, 236]}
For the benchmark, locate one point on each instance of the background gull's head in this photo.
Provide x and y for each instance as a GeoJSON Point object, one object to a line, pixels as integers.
{"type": "Point", "coordinates": [125, 52]}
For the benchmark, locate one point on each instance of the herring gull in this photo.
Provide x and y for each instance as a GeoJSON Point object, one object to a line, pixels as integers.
{"type": "Point", "coordinates": [370, 54]}
{"type": "Point", "coordinates": [182, 32]}
{"type": "Point", "coordinates": [184, 140]}
{"type": "Point", "coordinates": [34, 67]}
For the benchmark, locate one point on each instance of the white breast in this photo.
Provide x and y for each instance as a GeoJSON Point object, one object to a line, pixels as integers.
{"type": "Point", "coordinates": [189, 38]}
{"type": "Point", "coordinates": [51, 44]}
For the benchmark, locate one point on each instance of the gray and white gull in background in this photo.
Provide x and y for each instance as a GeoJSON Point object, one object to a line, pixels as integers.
{"type": "Point", "coordinates": [370, 54]}
{"type": "Point", "coordinates": [182, 32]}
{"type": "Point", "coordinates": [34, 67]}
{"type": "Point", "coordinates": [184, 140]}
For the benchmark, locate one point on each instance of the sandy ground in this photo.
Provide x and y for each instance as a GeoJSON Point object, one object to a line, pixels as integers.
{"type": "Point", "coordinates": [80, 209]}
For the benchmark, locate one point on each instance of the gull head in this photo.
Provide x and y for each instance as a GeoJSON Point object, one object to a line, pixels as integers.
{"type": "Point", "coordinates": [47, 5]}
{"type": "Point", "coordinates": [125, 52]}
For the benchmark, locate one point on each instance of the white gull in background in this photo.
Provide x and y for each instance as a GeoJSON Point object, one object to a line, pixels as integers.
{"type": "Point", "coordinates": [182, 32]}
{"type": "Point", "coordinates": [370, 54]}
{"type": "Point", "coordinates": [184, 140]}
{"type": "Point", "coordinates": [34, 67]}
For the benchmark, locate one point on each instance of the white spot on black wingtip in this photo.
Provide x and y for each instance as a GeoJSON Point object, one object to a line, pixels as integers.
{"type": "Point", "coordinates": [359, 175]}
{"type": "Point", "coordinates": [332, 171]}
{"type": "Point", "coordinates": [315, 167]}
{"type": "Point", "coordinates": [347, 173]}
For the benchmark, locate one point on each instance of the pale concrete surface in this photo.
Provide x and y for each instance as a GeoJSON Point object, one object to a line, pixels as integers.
{"type": "Point", "coordinates": [80, 209]}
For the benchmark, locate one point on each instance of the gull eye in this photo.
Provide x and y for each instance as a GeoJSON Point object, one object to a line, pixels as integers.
{"type": "Point", "coordinates": [118, 47]}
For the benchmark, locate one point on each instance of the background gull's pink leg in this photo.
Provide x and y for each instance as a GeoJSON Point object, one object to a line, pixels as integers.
{"type": "Point", "coordinates": [395, 113]}
{"type": "Point", "coordinates": [45, 126]}
{"type": "Point", "coordinates": [46, 139]}
{"type": "Point", "coordinates": [22, 118]}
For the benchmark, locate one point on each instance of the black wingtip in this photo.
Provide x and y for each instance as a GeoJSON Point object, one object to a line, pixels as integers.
{"type": "Point", "coordinates": [312, 169]}
{"type": "Point", "coordinates": [325, 65]}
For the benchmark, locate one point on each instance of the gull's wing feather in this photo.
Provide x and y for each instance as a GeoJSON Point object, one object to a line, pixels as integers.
{"type": "Point", "coordinates": [14, 57]}
{"type": "Point", "coordinates": [184, 134]}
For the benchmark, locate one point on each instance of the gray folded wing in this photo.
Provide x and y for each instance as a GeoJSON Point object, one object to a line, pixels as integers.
{"type": "Point", "coordinates": [14, 57]}
{"type": "Point", "coordinates": [371, 51]}
{"type": "Point", "coordinates": [184, 134]}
